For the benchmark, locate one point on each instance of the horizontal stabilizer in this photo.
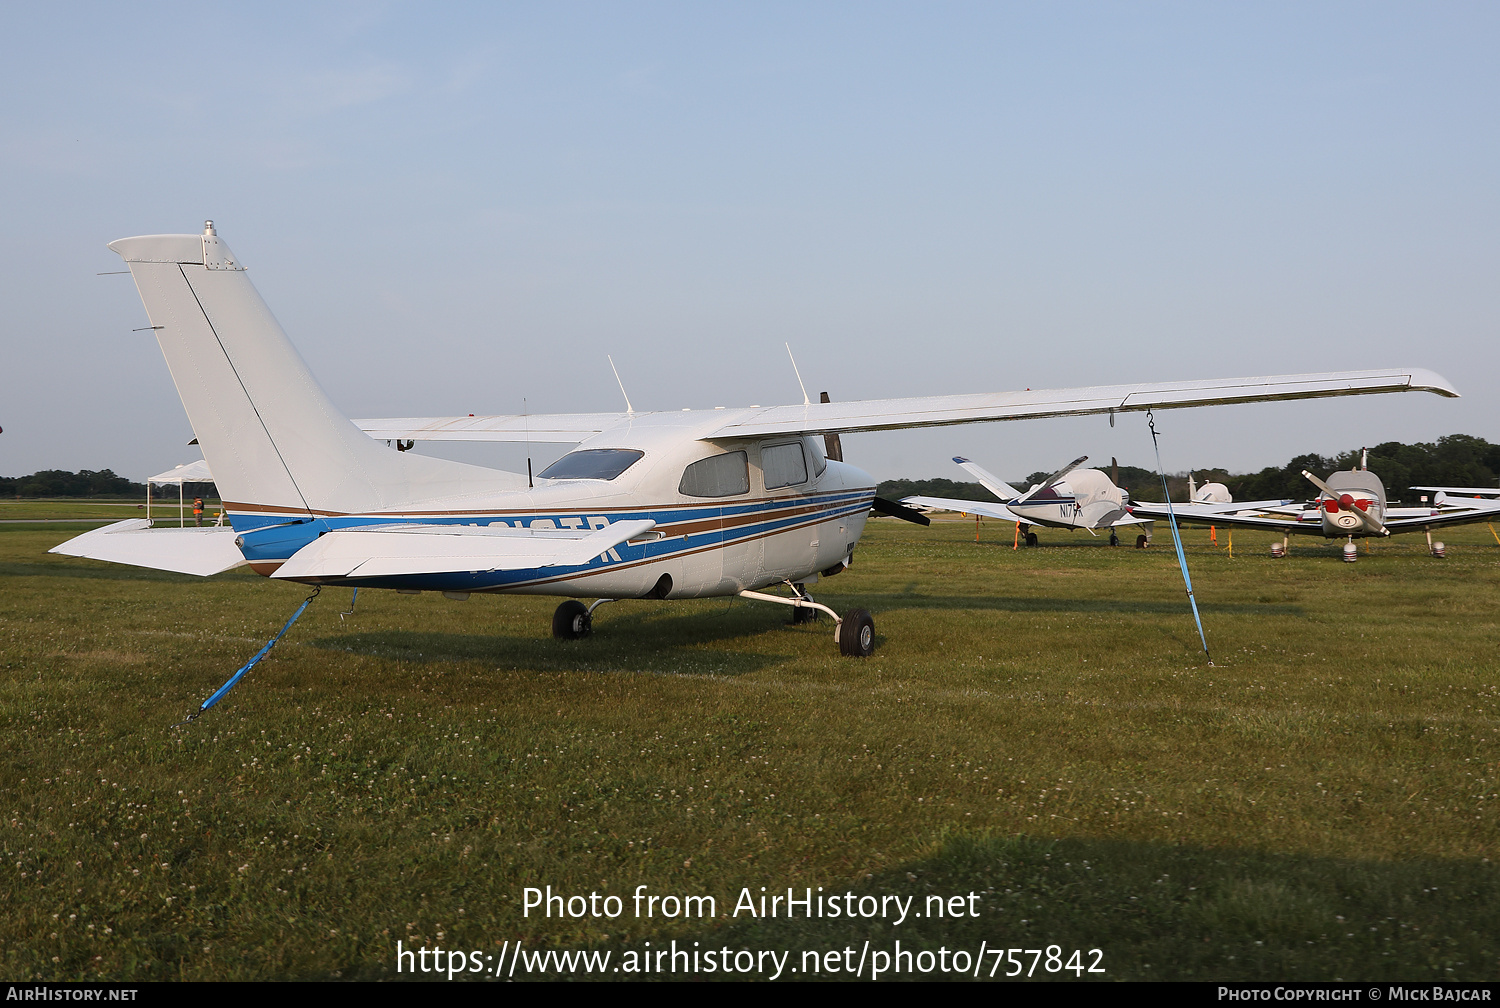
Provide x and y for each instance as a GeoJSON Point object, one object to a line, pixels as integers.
{"type": "Point", "coordinates": [988, 480]}
{"type": "Point", "coordinates": [201, 551]}
{"type": "Point", "coordinates": [392, 550]}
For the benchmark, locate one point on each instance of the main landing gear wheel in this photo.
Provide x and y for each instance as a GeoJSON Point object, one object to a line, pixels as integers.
{"type": "Point", "coordinates": [1114, 540]}
{"type": "Point", "coordinates": [1030, 538]}
{"type": "Point", "coordinates": [572, 621]}
{"type": "Point", "coordinates": [857, 634]}
{"type": "Point", "coordinates": [804, 614]}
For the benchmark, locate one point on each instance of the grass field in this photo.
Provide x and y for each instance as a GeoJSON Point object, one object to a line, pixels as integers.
{"type": "Point", "coordinates": [68, 508]}
{"type": "Point", "coordinates": [1038, 728]}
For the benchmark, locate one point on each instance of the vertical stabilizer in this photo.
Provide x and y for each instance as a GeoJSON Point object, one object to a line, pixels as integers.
{"type": "Point", "coordinates": [269, 432]}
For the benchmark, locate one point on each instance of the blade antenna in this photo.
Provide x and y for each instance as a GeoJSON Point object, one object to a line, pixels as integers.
{"type": "Point", "coordinates": [1176, 538]}
{"type": "Point", "coordinates": [629, 409]}
{"type": "Point", "coordinates": [526, 426]}
{"type": "Point", "coordinates": [805, 400]}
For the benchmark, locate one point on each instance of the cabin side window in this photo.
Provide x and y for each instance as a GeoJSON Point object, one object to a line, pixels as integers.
{"type": "Point", "coordinates": [783, 465]}
{"type": "Point", "coordinates": [724, 475]}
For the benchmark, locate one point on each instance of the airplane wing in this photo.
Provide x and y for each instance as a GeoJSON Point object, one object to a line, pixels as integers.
{"type": "Point", "coordinates": [1470, 512]}
{"type": "Point", "coordinates": [933, 411]}
{"type": "Point", "coordinates": [569, 428]}
{"type": "Point", "coordinates": [930, 411]}
{"type": "Point", "coordinates": [1211, 514]}
{"type": "Point", "coordinates": [986, 508]}
{"type": "Point", "coordinates": [1273, 506]}
{"type": "Point", "coordinates": [386, 550]}
{"type": "Point", "coordinates": [201, 551]}
{"type": "Point", "coordinates": [1463, 491]}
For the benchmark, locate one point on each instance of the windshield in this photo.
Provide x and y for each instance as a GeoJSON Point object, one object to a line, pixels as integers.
{"type": "Point", "coordinates": [593, 463]}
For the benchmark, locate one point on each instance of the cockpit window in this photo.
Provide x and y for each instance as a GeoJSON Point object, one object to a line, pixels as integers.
{"type": "Point", "coordinates": [819, 457]}
{"type": "Point", "coordinates": [593, 463]}
{"type": "Point", "coordinates": [719, 476]}
{"type": "Point", "coordinates": [783, 465]}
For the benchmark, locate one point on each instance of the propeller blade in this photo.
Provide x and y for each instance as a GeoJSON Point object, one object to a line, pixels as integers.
{"type": "Point", "coordinates": [1050, 480]}
{"type": "Point", "coordinates": [1370, 521]}
{"type": "Point", "coordinates": [832, 446]}
{"type": "Point", "coordinates": [895, 510]}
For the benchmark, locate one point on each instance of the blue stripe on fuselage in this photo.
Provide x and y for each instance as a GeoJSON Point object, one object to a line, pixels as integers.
{"type": "Point", "coordinates": [274, 538]}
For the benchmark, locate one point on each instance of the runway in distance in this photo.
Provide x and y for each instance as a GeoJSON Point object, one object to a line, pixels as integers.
{"type": "Point", "coordinates": [1351, 504]}
{"type": "Point", "coordinates": [656, 505]}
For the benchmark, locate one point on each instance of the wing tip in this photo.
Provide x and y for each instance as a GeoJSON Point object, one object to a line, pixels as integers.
{"type": "Point", "coordinates": [1423, 380]}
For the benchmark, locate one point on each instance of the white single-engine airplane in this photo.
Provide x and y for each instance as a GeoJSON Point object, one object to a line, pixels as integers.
{"type": "Point", "coordinates": [1071, 498]}
{"type": "Point", "coordinates": [672, 505]}
{"type": "Point", "coordinates": [1350, 505]}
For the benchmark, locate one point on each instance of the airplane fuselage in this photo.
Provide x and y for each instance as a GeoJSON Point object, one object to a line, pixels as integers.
{"type": "Point", "coordinates": [1086, 499]}
{"type": "Point", "coordinates": [793, 514]}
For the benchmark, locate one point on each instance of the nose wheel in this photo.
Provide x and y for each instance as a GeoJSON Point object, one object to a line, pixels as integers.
{"type": "Point", "coordinates": [857, 634]}
{"type": "Point", "coordinates": [572, 621]}
{"type": "Point", "coordinates": [854, 632]}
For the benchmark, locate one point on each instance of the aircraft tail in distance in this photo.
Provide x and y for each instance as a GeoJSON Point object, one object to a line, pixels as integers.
{"type": "Point", "coordinates": [270, 434]}
{"type": "Point", "coordinates": [988, 480]}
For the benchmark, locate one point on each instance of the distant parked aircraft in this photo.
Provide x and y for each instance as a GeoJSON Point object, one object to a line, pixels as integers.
{"type": "Point", "coordinates": [1350, 505]}
{"type": "Point", "coordinates": [1071, 498]}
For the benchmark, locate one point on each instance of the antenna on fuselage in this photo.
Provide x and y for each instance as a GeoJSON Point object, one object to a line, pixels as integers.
{"type": "Point", "coordinates": [526, 427]}
{"type": "Point", "coordinates": [805, 400]}
{"type": "Point", "coordinates": [628, 408]}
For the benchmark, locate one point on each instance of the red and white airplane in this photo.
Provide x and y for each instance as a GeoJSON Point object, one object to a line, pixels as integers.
{"type": "Point", "coordinates": [1350, 505]}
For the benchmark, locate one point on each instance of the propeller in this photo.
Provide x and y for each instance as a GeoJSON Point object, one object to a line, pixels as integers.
{"type": "Point", "coordinates": [1050, 480]}
{"type": "Point", "coordinates": [834, 449]}
{"type": "Point", "coordinates": [832, 446]}
{"type": "Point", "coordinates": [881, 505]}
{"type": "Point", "coordinates": [1348, 503]}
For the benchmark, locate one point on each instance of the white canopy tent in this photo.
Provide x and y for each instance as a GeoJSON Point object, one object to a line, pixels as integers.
{"type": "Point", "coordinates": [191, 472]}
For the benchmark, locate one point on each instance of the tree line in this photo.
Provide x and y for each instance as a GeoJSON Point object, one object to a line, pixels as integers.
{"type": "Point", "coordinates": [1454, 460]}
{"type": "Point", "coordinates": [89, 483]}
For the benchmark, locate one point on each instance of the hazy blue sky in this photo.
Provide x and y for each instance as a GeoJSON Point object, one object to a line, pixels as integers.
{"type": "Point", "coordinates": [452, 207]}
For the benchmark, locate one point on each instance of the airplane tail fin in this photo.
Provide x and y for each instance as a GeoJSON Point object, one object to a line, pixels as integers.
{"type": "Point", "coordinates": [270, 434]}
{"type": "Point", "coordinates": [988, 480]}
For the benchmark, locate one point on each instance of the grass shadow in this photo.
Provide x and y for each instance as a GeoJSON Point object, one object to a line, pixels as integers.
{"type": "Point", "coordinates": [1154, 911]}
{"type": "Point", "coordinates": [1042, 604]}
{"type": "Point", "coordinates": [103, 572]}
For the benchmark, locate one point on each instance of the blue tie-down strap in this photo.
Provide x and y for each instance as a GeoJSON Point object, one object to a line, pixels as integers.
{"type": "Point", "coordinates": [222, 690]}
{"type": "Point", "coordinates": [1187, 581]}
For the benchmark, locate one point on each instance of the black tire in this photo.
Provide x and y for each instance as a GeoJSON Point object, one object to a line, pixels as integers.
{"type": "Point", "coordinates": [857, 634]}
{"type": "Point", "coordinates": [572, 621]}
{"type": "Point", "coordinates": [1031, 539]}
{"type": "Point", "coordinates": [1141, 542]}
{"type": "Point", "coordinates": [1114, 540]}
{"type": "Point", "coordinates": [804, 614]}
